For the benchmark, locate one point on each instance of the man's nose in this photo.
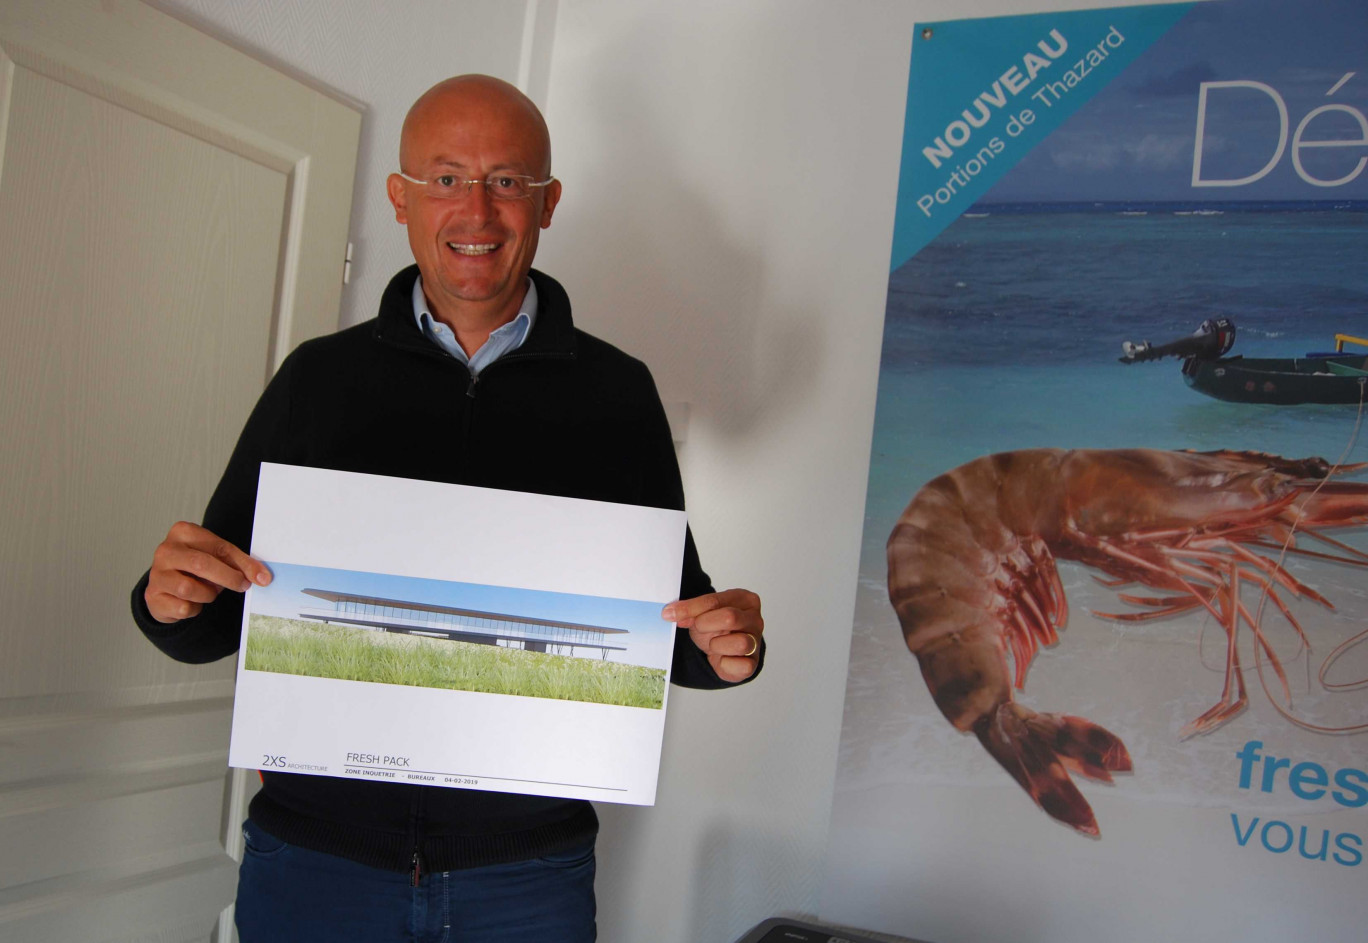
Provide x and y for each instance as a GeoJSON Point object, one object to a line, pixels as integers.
{"type": "Point", "coordinates": [476, 201]}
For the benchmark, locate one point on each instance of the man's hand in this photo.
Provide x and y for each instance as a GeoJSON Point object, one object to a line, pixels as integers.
{"type": "Point", "coordinates": [191, 567]}
{"type": "Point", "coordinates": [727, 626]}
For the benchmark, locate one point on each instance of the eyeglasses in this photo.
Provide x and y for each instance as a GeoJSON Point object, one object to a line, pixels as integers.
{"type": "Point", "coordinates": [498, 185]}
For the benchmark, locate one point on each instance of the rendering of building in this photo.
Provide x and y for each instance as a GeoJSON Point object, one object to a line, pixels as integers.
{"type": "Point", "coordinates": [408, 617]}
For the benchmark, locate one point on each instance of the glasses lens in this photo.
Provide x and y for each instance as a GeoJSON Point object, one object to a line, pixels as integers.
{"type": "Point", "coordinates": [507, 186]}
{"type": "Point", "coordinates": [446, 186]}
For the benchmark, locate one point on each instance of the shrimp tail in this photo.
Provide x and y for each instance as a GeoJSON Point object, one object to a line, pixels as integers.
{"type": "Point", "coordinates": [1039, 751]}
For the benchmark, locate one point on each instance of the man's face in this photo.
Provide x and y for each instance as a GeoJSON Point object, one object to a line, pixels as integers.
{"type": "Point", "coordinates": [473, 251]}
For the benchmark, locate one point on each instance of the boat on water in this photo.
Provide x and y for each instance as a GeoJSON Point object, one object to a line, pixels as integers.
{"type": "Point", "coordinates": [1330, 377]}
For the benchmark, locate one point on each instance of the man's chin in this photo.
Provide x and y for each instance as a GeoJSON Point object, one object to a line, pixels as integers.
{"type": "Point", "coordinates": [475, 291]}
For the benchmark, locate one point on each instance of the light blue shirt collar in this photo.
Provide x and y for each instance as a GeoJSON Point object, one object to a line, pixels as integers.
{"type": "Point", "coordinates": [504, 339]}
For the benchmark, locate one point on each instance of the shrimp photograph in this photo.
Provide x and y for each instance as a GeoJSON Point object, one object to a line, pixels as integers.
{"type": "Point", "coordinates": [973, 578]}
{"type": "Point", "coordinates": [1108, 668]}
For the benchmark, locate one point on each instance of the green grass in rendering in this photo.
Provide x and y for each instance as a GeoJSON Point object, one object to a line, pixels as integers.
{"type": "Point", "coordinates": [298, 647]}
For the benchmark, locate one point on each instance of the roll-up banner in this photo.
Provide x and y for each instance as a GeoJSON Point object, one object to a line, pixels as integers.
{"type": "Point", "coordinates": [1109, 668]}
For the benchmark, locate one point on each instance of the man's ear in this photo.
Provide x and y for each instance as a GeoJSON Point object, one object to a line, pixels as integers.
{"type": "Point", "coordinates": [398, 197]}
{"type": "Point", "coordinates": [552, 195]}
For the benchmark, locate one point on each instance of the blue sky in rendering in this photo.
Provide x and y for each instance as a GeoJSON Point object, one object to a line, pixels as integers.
{"type": "Point", "coordinates": [650, 641]}
{"type": "Point", "coordinates": [1134, 139]}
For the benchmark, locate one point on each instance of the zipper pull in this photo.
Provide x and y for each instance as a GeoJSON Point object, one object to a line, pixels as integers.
{"type": "Point", "coordinates": [417, 867]}
{"type": "Point", "coordinates": [470, 390]}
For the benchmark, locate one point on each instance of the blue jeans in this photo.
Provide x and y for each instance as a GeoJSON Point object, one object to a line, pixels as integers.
{"type": "Point", "coordinates": [288, 893]}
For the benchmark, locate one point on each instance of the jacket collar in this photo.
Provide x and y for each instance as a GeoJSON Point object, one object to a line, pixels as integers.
{"type": "Point", "coordinates": [553, 333]}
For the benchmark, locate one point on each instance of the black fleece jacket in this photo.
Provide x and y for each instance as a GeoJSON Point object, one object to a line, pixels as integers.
{"type": "Point", "coordinates": [565, 414]}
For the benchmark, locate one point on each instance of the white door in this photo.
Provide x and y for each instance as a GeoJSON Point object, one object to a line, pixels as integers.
{"type": "Point", "coordinates": [173, 220]}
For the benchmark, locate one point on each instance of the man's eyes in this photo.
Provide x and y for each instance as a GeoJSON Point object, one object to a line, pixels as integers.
{"type": "Point", "coordinates": [502, 186]}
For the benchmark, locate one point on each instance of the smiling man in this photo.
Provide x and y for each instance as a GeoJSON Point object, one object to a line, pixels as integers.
{"type": "Point", "coordinates": [475, 190]}
{"type": "Point", "coordinates": [472, 373]}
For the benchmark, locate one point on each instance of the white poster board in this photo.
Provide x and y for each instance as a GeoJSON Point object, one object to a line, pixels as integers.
{"type": "Point", "coordinates": [445, 635]}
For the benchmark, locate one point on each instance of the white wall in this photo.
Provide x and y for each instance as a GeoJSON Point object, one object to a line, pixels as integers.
{"type": "Point", "coordinates": [729, 171]}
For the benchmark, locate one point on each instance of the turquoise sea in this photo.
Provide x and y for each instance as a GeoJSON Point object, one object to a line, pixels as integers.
{"type": "Point", "coordinates": [1004, 333]}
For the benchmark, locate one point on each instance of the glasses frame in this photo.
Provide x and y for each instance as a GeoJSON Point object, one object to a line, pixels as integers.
{"type": "Point", "coordinates": [471, 181]}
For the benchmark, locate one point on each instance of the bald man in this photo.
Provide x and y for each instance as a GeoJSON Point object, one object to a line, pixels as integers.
{"type": "Point", "coordinates": [471, 373]}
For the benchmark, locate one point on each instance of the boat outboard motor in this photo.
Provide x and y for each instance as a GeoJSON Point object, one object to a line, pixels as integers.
{"type": "Point", "coordinates": [1213, 339]}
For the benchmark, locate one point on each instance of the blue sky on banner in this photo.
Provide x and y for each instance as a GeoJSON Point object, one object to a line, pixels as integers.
{"type": "Point", "coordinates": [982, 93]}
{"type": "Point", "coordinates": [1277, 86]}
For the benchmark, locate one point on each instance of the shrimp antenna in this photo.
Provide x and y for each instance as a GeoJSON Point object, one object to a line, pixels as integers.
{"type": "Point", "coordinates": [1343, 646]}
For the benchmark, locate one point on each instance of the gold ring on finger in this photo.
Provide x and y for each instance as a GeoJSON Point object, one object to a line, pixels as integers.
{"type": "Point", "coordinates": [755, 645]}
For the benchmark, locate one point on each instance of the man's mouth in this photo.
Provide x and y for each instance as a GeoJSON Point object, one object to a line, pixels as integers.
{"type": "Point", "coordinates": [472, 248]}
